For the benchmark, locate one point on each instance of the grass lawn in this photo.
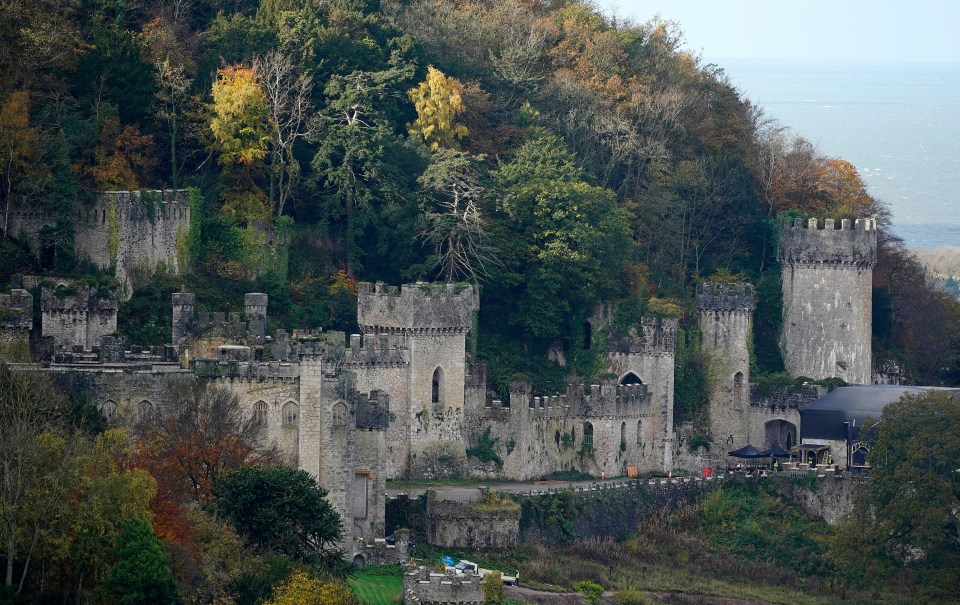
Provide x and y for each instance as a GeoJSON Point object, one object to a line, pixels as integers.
{"type": "Point", "coordinates": [377, 589]}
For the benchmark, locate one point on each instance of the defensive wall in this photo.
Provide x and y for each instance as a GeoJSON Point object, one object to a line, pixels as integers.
{"type": "Point", "coordinates": [16, 315]}
{"type": "Point", "coordinates": [775, 414]}
{"type": "Point", "coordinates": [827, 273]}
{"type": "Point", "coordinates": [129, 231]}
{"type": "Point", "coordinates": [471, 524]}
{"type": "Point", "coordinates": [422, 586]}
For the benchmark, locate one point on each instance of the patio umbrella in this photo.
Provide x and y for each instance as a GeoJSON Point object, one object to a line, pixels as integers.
{"type": "Point", "coordinates": [747, 451]}
{"type": "Point", "coordinates": [776, 452]}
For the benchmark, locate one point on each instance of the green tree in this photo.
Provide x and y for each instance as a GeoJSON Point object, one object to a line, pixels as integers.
{"type": "Point", "coordinates": [907, 515]}
{"type": "Point", "coordinates": [493, 588]}
{"type": "Point", "coordinates": [592, 592]}
{"type": "Point", "coordinates": [141, 574]}
{"type": "Point", "coordinates": [280, 509]}
{"type": "Point", "coordinates": [301, 589]}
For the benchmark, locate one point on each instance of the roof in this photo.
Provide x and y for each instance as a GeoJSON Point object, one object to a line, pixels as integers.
{"type": "Point", "coordinates": [825, 417]}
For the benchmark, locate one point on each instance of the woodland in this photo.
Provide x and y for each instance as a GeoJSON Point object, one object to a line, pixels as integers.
{"type": "Point", "coordinates": [555, 156]}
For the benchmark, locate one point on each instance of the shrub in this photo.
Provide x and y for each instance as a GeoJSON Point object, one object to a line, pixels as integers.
{"type": "Point", "coordinates": [493, 588]}
{"type": "Point", "coordinates": [592, 592]}
{"type": "Point", "coordinates": [632, 597]}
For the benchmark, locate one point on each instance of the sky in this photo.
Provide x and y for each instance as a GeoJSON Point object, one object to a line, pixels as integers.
{"type": "Point", "coordinates": [854, 30]}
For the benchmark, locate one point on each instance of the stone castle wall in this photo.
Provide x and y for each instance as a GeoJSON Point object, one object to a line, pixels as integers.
{"type": "Point", "coordinates": [775, 414]}
{"type": "Point", "coordinates": [77, 315]}
{"type": "Point", "coordinates": [16, 314]}
{"type": "Point", "coordinates": [424, 587]}
{"type": "Point", "coordinates": [827, 299]}
{"type": "Point", "coordinates": [128, 230]}
{"type": "Point", "coordinates": [469, 525]}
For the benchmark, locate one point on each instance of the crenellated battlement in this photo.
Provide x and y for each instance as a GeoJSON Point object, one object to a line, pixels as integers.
{"type": "Point", "coordinates": [725, 297]}
{"type": "Point", "coordinates": [608, 399]}
{"type": "Point", "coordinates": [373, 410]}
{"type": "Point", "coordinates": [653, 336]}
{"type": "Point", "coordinates": [419, 307]}
{"type": "Point", "coordinates": [245, 370]}
{"type": "Point", "coordinates": [16, 311]}
{"type": "Point", "coordinates": [375, 350]}
{"type": "Point", "coordinates": [842, 243]}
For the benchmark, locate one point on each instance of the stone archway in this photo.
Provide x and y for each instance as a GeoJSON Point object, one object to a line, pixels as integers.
{"type": "Point", "coordinates": [779, 432]}
{"type": "Point", "coordinates": [630, 378]}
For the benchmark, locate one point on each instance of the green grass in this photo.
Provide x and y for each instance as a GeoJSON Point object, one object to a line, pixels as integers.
{"type": "Point", "coordinates": [373, 589]}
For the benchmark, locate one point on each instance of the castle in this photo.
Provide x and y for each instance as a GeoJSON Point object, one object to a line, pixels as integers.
{"type": "Point", "coordinates": [402, 399]}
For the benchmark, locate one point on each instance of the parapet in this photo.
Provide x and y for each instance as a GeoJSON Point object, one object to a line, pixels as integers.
{"type": "Point", "coordinates": [139, 205]}
{"type": "Point", "coordinates": [77, 298]}
{"type": "Point", "coordinates": [374, 349]}
{"type": "Point", "coordinates": [373, 410]}
{"type": "Point", "coordinates": [423, 587]}
{"type": "Point", "coordinates": [420, 306]}
{"type": "Point", "coordinates": [836, 242]}
{"type": "Point", "coordinates": [654, 336]}
{"type": "Point", "coordinates": [16, 311]}
{"type": "Point", "coordinates": [725, 297]}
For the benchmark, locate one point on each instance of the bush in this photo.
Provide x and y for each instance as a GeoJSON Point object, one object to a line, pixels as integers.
{"type": "Point", "coordinates": [632, 597]}
{"type": "Point", "coordinates": [592, 592]}
{"type": "Point", "coordinates": [493, 588]}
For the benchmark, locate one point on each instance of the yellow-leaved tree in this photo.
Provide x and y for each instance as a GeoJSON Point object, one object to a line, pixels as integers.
{"type": "Point", "coordinates": [438, 100]}
{"type": "Point", "coordinates": [301, 589]}
{"type": "Point", "coordinates": [239, 121]}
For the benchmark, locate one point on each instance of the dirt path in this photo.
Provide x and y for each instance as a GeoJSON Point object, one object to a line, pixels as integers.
{"type": "Point", "coordinates": [541, 597]}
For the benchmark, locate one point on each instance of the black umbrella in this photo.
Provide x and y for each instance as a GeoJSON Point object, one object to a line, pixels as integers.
{"type": "Point", "coordinates": [776, 452]}
{"type": "Point", "coordinates": [747, 451]}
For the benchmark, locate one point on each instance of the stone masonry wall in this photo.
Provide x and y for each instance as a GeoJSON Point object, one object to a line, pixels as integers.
{"type": "Point", "coordinates": [827, 299]}
{"type": "Point", "coordinates": [830, 499]}
{"type": "Point", "coordinates": [423, 587]}
{"type": "Point", "coordinates": [467, 525]}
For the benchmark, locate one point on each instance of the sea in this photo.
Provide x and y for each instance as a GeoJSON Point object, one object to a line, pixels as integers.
{"type": "Point", "coordinates": [898, 123]}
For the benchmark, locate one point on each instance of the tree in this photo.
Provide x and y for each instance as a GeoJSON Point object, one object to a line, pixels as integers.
{"type": "Point", "coordinates": [141, 574]}
{"type": "Point", "coordinates": [21, 171]}
{"type": "Point", "coordinates": [289, 108]}
{"type": "Point", "coordinates": [31, 412]}
{"type": "Point", "coordinates": [438, 100]}
{"type": "Point", "coordinates": [239, 121]}
{"type": "Point", "coordinates": [280, 509]}
{"type": "Point", "coordinates": [492, 588]}
{"type": "Point", "coordinates": [907, 515]}
{"type": "Point", "coordinates": [357, 159]}
{"type": "Point", "coordinates": [202, 434]}
{"type": "Point", "coordinates": [454, 196]}
{"type": "Point", "coordinates": [301, 589]}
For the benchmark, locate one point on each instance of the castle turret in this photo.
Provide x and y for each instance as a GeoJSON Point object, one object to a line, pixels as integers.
{"type": "Point", "coordinates": [255, 314]}
{"type": "Point", "coordinates": [431, 322]}
{"type": "Point", "coordinates": [827, 298]}
{"type": "Point", "coordinates": [726, 323]}
{"type": "Point", "coordinates": [183, 304]}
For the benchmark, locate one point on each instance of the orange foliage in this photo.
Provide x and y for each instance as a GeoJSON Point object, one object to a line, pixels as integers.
{"type": "Point", "coordinates": [123, 158]}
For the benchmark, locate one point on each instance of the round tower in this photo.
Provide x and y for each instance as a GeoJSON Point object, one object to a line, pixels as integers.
{"type": "Point", "coordinates": [726, 322]}
{"type": "Point", "coordinates": [827, 298]}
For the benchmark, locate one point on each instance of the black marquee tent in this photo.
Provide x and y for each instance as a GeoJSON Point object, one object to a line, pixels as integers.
{"type": "Point", "coordinates": [747, 451]}
{"type": "Point", "coordinates": [825, 418]}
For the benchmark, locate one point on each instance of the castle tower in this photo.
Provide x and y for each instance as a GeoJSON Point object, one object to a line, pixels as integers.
{"type": "Point", "coordinates": [647, 356]}
{"type": "Point", "coordinates": [432, 322]}
{"type": "Point", "coordinates": [255, 314]}
{"type": "Point", "coordinates": [726, 321]}
{"type": "Point", "coordinates": [183, 304]}
{"type": "Point", "coordinates": [827, 298]}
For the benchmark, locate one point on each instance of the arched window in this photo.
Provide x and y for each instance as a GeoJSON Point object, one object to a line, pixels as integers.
{"type": "Point", "coordinates": [573, 435]}
{"type": "Point", "coordinates": [738, 387]}
{"type": "Point", "coordinates": [587, 434]}
{"type": "Point", "coordinates": [260, 413]}
{"type": "Point", "coordinates": [339, 414]}
{"type": "Point", "coordinates": [144, 411]}
{"type": "Point", "coordinates": [556, 438]}
{"type": "Point", "coordinates": [290, 414]}
{"type": "Point", "coordinates": [587, 335]}
{"type": "Point", "coordinates": [436, 387]}
{"type": "Point", "coordinates": [623, 436]}
{"type": "Point", "coordinates": [631, 378]}
{"type": "Point", "coordinates": [639, 433]}
{"type": "Point", "coordinates": [109, 411]}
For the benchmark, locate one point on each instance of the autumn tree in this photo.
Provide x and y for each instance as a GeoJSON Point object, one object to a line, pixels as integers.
{"type": "Point", "coordinates": [239, 116]}
{"type": "Point", "coordinates": [202, 434]}
{"type": "Point", "coordinates": [438, 101]}
{"type": "Point", "coordinates": [22, 173]}
{"type": "Point", "coordinates": [302, 589]}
